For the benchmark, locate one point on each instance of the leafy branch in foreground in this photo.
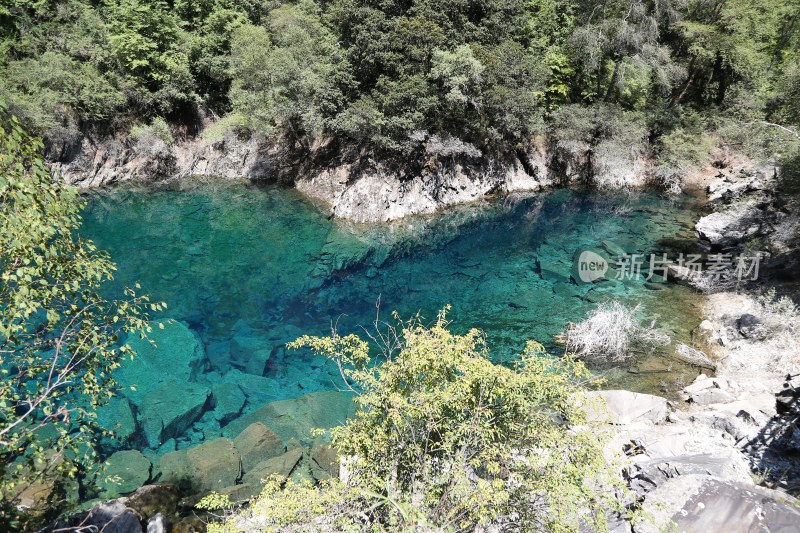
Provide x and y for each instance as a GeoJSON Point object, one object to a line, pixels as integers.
{"type": "Point", "coordinates": [59, 338]}
{"type": "Point", "coordinates": [445, 439]}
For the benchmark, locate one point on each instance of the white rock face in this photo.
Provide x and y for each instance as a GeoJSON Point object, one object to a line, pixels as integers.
{"type": "Point", "coordinates": [366, 191]}
{"type": "Point", "coordinates": [731, 225]}
{"type": "Point", "coordinates": [625, 407]}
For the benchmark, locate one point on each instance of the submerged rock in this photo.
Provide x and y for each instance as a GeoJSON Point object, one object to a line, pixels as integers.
{"type": "Point", "coordinates": [228, 401]}
{"type": "Point", "coordinates": [126, 471]}
{"type": "Point", "coordinates": [257, 389]}
{"type": "Point", "coordinates": [693, 356]}
{"type": "Point", "coordinates": [118, 417]}
{"type": "Point", "coordinates": [214, 464]}
{"type": "Point", "coordinates": [210, 466]}
{"type": "Point", "coordinates": [250, 354]}
{"type": "Point", "coordinates": [258, 443]}
{"type": "Point", "coordinates": [170, 410]}
{"type": "Point", "coordinates": [295, 418]}
{"type": "Point", "coordinates": [282, 465]}
{"type": "Point", "coordinates": [175, 354]}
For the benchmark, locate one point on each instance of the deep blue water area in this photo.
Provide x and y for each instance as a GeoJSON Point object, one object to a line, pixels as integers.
{"type": "Point", "coordinates": [247, 269]}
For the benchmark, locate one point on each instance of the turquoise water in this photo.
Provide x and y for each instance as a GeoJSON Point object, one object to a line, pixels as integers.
{"type": "Point", "coordinates": [250, 268]}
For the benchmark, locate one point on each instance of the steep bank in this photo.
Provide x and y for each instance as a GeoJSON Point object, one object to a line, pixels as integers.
{"type": "Point", "coordinates": [359, 189]}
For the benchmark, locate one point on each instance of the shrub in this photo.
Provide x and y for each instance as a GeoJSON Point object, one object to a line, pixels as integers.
{"type": "Point", "coordinates": [779, 316]}
{"type": "Point", "coordinates": [612, 334]}
{"type": "Point", "coordinates": [155, 139]}
{"type": "Point", "coordinates": [444, 439]}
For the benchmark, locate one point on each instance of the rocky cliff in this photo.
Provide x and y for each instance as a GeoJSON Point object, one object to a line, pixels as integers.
{"type": "Point", "coordinates": [356, 188]}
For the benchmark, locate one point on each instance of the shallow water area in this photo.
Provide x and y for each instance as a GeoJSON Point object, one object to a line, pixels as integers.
{"type": "Point", "coordinates": [245, 269]}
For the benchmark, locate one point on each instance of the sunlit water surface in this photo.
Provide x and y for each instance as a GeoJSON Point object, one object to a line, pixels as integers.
{"type": "Point", "coordinates": [249, 267]}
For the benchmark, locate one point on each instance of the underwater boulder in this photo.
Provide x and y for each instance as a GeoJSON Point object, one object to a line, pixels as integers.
{"type": "Point", "coordinates": [126, 471]}
{"type": "Point", "coordinates": [296, 417]}
{"type": "Point", "coordinates": [228, 401]}
{"type": "Point", "coordinates": [250, 354]}
{"type": "Point", "coordinates": [257, 389]}
{"type": "Point", "coordinates": [282, 465]}
{"type": "Point", "coordinates": [170, 410]}
{"type": "Point", "coordinates": [117, 416]}
{"type": "Point", "coordinates": [176, 353]}
{"type": "Point", "coordinates": [211, 466]}
{"type": "Point", "coordinates": [256, 444]}
{"type": "Point", "coordinates": [214, 464]}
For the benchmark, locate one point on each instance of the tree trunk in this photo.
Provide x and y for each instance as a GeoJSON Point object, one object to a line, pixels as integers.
{"type": "Point", "coordinates": [613, 82]}
{"type": "Point", "coordinates": [692, 73]}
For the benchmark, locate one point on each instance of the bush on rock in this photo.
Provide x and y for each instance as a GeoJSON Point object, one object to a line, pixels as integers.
{"type": "Point", "coordinates": [446, 439]}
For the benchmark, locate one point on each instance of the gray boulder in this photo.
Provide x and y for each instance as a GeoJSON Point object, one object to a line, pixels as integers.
{"type": "Point", "coordinates": [157, 524]}
{"type": "Point", "coordinates": [711, 395]}
{"type": "Point", "coordinates": [750, 326]}
{"type": "Point", "coordinates": [705, 503]}
{"type": "Point", "coordinates": [625, 407]}
{"type": "Point", "coordinates": [730, 226]}
{"type": "Point", "coordinates": [112, 517]}
{"type": "Point", "coordinates": [648, 475]}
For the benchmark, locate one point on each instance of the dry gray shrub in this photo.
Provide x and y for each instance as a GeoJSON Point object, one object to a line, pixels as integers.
{"type": "Point", "coordinates": [612, 334]}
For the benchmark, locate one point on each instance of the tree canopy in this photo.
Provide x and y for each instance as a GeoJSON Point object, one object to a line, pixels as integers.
{"type": "Point", "coordinates": [446, 440]}
{"type": "Point", "coordinates": [387, 76]}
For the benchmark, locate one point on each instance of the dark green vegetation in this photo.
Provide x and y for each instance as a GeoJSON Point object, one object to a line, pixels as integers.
{"type": "Point", "coordinates": [420, 78]}
{"type": "Point", "coordinates": [58, 335]}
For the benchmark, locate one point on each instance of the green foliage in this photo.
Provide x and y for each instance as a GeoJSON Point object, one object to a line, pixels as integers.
{"type": "Point", "coordinates": [215, 502]}
{"type": "Point", "coordinates": [387, 77]}
{"type": "Point", "coordinates": [286, 75]}
{"type": "Point", "coordinates": [59, 338]}
{"type": "Point", "coordinates": [145, 39]}
{"type": "Point", "coordinates": [158, 129]}
{"type": "Point", "coordinates": [446, 439]}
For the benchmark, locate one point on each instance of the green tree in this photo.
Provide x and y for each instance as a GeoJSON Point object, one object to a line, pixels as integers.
{"type": "Point", "coordinates": [59, 338]}
{"type": "Point", "coordinates": [288, 76]}
{"type": "Point", "coordinates": [446, 439]}
{"type": "Point", "coordinates": [612, 33]}
{"type": "Point", "coordinates": [146, 40]}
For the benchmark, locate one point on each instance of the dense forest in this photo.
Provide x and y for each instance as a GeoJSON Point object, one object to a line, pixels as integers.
{"type": "Point", "coordinates": [399, 78]}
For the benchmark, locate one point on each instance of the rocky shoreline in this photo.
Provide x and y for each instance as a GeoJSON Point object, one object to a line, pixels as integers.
{"type": "Point", "coordinates": [725, 456]}
{"type": "Point", "coordinates": [355, 188]}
